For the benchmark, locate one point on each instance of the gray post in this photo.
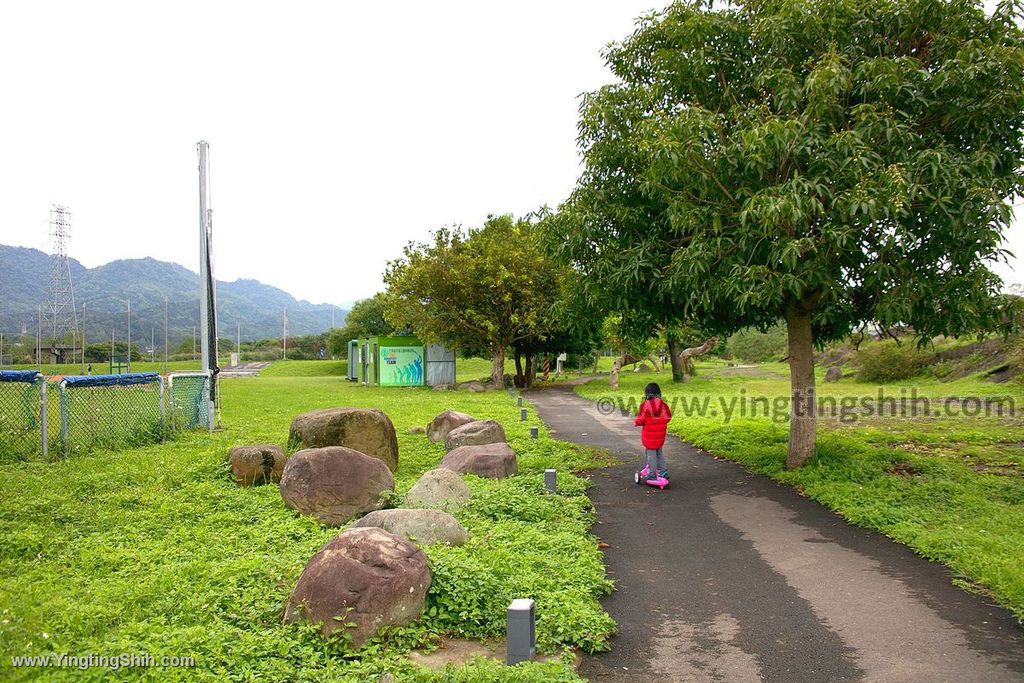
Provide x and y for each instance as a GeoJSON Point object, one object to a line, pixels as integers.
{"type": "Point", "coordinates": [522, 632]}
{"type": "Point", "coordinates": [551, 480]}
{"type": "Point", "coordinates": [42, 418]}
{"type": "Point", "coordinates": [519, 402]}
{"type": "Point", "coordinates": [533, 432]}
{"type": "Point", "coordinates": [64, 417]}
{"type": "Point", "coordinates": [163, 411]}
{"type": "Point", "coordinates": [170, 400]}
{"type": "Point", "coordinates": [522, 415]}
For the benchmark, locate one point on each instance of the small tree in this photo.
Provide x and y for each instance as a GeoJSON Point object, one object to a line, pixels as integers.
{"type": "Point", "coordinates": [823, 163]}
{"type": "Point", "coordinates": [488, 288]}
{"type": "Point", "coordinates": [366, 319]}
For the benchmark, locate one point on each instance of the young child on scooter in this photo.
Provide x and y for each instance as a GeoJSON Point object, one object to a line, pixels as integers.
{"type": "Point", "coordinates": [653, 416]}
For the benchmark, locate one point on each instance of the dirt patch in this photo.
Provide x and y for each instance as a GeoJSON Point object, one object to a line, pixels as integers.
{"type": "Point", "coordinates": [457, 651]}
{"type": "Point", "coordinates": [902, 469]}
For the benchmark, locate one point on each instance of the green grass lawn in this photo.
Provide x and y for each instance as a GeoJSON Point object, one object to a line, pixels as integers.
{"type": "Point", "coordinates": [155, 550]}
{"type": "Point", "coordinates": [951, 488]}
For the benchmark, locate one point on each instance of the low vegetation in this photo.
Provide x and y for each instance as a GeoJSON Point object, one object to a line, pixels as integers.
{"type": "Point", "coordinates": [155, 550]}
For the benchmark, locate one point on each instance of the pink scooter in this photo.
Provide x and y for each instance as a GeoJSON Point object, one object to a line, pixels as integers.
{"type": "Point", "coordinates": [638, 478]}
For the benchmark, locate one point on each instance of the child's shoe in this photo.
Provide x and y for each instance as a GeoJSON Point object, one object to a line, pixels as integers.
{"type": "Point", "coordinates": [663, 474]}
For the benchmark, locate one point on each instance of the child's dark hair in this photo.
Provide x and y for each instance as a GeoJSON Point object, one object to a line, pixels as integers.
{"type": "Point", "coordinates": [652, 390]}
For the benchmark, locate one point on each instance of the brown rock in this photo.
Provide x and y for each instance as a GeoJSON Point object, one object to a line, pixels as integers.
{"type": "Point", "coordinates": [423, 526]}
{"type": "Point", "coordinates": [438, 488]}
{"type": "Point", "coordinates": [334, 484]}
{"type": "Point", "coordinates": [360, 581]}
{"type": "Point", "coordinates": [493, 460]}
{"type": "Point", "coordinates": [474, 434]}
{"type": "Point", "coordinates": [260, 464]}
{"type": "Point", "coordinates": [834, 374]}
{"type": "Point", "coordinates": [368, 431]}
{"type": "Point", "coordinates": [439, 427]}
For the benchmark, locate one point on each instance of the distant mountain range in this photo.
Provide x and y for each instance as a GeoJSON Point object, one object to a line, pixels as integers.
{"type": "Point", "coordinates": [256, 308]}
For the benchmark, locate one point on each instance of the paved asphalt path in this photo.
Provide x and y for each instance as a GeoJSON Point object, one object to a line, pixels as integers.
{"type": "Point", "coordinates": [727, 576]}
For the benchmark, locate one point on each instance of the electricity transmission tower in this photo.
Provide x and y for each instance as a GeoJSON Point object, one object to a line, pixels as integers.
{"type": "Point", "coordinates": [62, 295]}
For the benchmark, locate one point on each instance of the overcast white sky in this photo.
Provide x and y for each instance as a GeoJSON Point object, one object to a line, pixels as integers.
{"type": "Point", "coordinates": [338, 131]}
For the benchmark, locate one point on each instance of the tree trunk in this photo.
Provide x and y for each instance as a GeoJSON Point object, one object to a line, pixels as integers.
{"type": "Point", "coordinates": [597, 360]}
{"type": "Point", "coordinates": [498, 369]}
{"type": "Point", "coordinates": [803, 409]}
{"type": "Point", "coordinates": [675, 356]}
{"type": "Point", "coordinates": [654, 361]}
{"type": "Point", "coordinates": [520, 379]}
{"type": "Point", "coordinates": [531, 371]}
{"type": "Point", "coordinates": [613, 381]}
{"type": "Point", "coordinates": [687, 356]}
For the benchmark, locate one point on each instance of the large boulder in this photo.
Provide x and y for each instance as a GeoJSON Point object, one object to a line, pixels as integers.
{"type": "Point", "coordinates": [439, 427]}
{"type": "Point", "coordinates": [334, 484]}
{"type": "Point", "coordinates": [259, 464]}
{"type": "Point", "coordinates": [473, 387]}
{"type": "Point", "coordinates": [475, 433]}
{"type": "Point", "coordinates": [493, 460]}
{"type": "Point", "coordinates": [421, 526]}
{"type": "Point", "coordinates": [439, 488]}
{"type": "Point", "coordinates": [368, 431]}
{"type": "Point", "coordinates": [362, 580]}
{"type": "Point", "coordinates": [834, 374]}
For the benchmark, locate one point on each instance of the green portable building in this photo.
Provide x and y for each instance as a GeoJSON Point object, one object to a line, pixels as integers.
{"type": "Point", "coordinates": [403, 361]}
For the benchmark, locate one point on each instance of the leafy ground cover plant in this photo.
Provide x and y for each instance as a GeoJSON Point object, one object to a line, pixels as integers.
{"type": "Point", "coordinates": [154, 550]}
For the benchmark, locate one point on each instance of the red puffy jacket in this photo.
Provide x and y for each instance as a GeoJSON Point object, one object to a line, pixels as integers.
{"type": "Point", "coordinates": [654, 416]}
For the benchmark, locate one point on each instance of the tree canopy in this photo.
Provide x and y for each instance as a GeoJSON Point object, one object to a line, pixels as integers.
{"type": "Point", "coordinates": [485, 288]}
{"type": "Point", "coordinates": [824, 162]}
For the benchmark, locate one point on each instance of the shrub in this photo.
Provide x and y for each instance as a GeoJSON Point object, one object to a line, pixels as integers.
{"type": "Point", "coordinates": [752, 346]}
{"type": "Point", "coordinates": [891, 362]}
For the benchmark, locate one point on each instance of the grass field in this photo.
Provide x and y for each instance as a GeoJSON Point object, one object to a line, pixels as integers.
{"type": "Point", "coordinates": [155, 550]}
{"type": "Point", "coordinates": [950, 487]}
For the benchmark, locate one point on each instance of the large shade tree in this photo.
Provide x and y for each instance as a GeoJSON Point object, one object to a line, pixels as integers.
{"type": "Point", "coordinates": [822, 162]}
{"type": "Point", "coordinates": [488, 288]}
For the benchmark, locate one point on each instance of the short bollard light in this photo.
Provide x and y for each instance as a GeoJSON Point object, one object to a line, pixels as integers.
{"type": "Point", "coordinates": [519, 402]}
{"type": "Point", "coordinates": [522, 631]}
{"type": "Point", "coordinates": [533, 432]}
{"type": "Point", "coordinates": [551, 480]}
{"type": "Point", "coordinates": [522, 415]}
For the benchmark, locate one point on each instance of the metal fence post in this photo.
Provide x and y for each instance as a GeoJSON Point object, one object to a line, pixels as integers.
{"type": "Point", "coordinates": [42, 418]}
{"type": "Point", "coordinates": [163, 412]}
{"type": "Point", "coordinates": [170, 399]}
{"type": "Point", "coordinates": [64, 417]}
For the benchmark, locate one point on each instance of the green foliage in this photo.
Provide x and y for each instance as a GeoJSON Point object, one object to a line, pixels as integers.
{"type": "Point", "coordinates": [753, 346]}
{"type": "Point", "coordinates": [888, 361]}
{"type": "Point", "coordinates": [366, 319]}
{"type": "Point", "coordinates": [156, 549]}
{"type": "Point", "coordinates": [100, 353]}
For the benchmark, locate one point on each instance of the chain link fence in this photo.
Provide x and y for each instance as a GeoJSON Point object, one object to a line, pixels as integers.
{"type": "Point", "coordinates": [189, 404]}
{"type": "Point", "coordinates": [22, 415]}
{"type": "Point", "coordinates": [47, 418]}
{"type": "Point", "coordinates": [111, 411]}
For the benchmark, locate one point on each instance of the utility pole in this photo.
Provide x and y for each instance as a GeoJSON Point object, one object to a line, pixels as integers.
{"type": "Point", "coordinates": [165, 334]}
{"type": "Point", "coordinates": [39, 341]}
{"type": "Point", "coordinates": [238, 341]}
{"type": "Point", "coordinates": [111, 348]}
{"type": "Point", "coordinates": [332, 317]}
{"type": "Point", "coordinates": [193, 342]}
{"type": "Point", "coordinates": [207, 283]}
{"type": "Point", "coordinates": [284, 338]}
{"type": "Point", "coordinates": [152, 344]}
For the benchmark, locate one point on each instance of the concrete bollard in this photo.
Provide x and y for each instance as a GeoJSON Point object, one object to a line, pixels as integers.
{"type": "Point", "coordinates": [533, 432]}
{"type": "Point", "coordinates": [522, 631]}
{"type": "Point", "coordinates": [551, 480]}
{"type": "Point", "coordinates": [522, 415]}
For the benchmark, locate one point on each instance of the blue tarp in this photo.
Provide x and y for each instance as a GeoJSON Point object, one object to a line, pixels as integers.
{"type": "Point", "coordinates": [112, 380]}
{"type": "Point", "coordinates": [28, 376]}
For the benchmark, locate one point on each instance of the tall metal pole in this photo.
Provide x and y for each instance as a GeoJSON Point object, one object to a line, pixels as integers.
{"type": "Point", "coordinates": [193, 342]}
{"type": "Point", "coordinates": [152, 343]}
{"type": "Point", "coordinates": [129, 335]}
{"type": "Point", "coordinates": [39, 341]}
{"type": "Point", "coordinates": [207, 284]}
{"type": "Point", "coordinates": [111, 349]}
{"type": "Point", "coordinates": [165, 333]}
{"type": "Point", "coordinates": [284, 337]}
{"type": "Point", "coordinates": [1, 348]}
{"type": "Point", "coordinates": [238, 340]}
